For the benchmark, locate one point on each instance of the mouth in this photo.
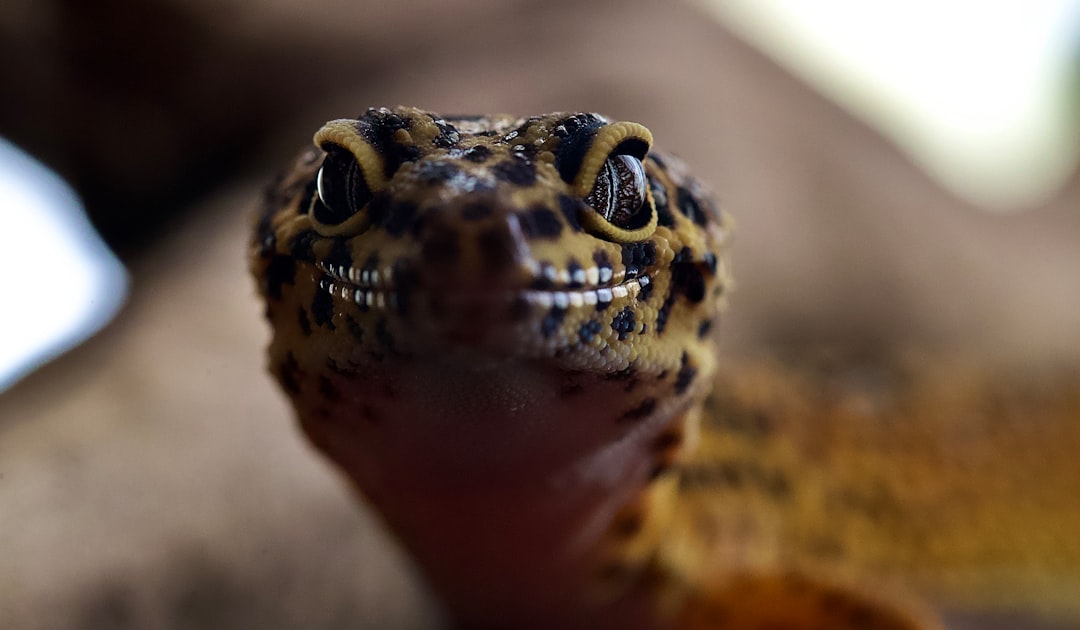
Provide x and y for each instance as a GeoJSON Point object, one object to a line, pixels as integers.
{"type": "Point", "coordinates": [396, 289]}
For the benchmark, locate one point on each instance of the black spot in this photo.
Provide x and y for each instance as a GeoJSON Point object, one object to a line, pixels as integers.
{"type": "Point", "coordinates": [281, 270]}
{"type": "Point", "coordinates": [688, 280]}
{"type": "Point", "coordinates": [663, 208]}
{"type": "Point", "coordinates": [642, 411]}
{"type": "Point", "coordinates": [394, 217]}
{"type": "Point", "coordinates": [478, 154]}
{"type": "Point", "coordinates": [436, 171]}
{"type": "Point", "coordinates": [322, 308]}
{"type": "Point", "coordinates": [685, 376]}
{"type": "Point", "coordinates": [516, 170]}
{"type": "Point", "coordinates": [371, 264]}
{"type": "Point", "coordinates": [441, 246]}
{"type": "Point", "coordinates": [664, 312]}
{"type": "Point", "coordinates": [580, 131]}
{"type": "Point", "coordinates": [543, 281]}
{"type": "Point", "coordinates": [305, 323]}
{"type": "Point", "coordinates": [300, 248]}
{"type": "Point", "coordinates": [603, 301]}
{"type": "Point", "coordinates": [637, 256]}
{"type": "Point", "coordinates": [393, 122]}
{"type": "Point", "coordinates": [552, 321]}
{"type": "Point", "coordinates": [448, 134]}
{"type": "Point", "coordinates": [628, 524]}
{"type": "Point", "coordinates": [667, 440]}
{"type": "Point", "coordinates": [385, 337]}
{"type": "Point", "coordinates": [777, 485]}
{"type": "Point", "coordinates": [576, 273]}
{"type": "Point", "coordinates": [571, 210]}
{"type": "Point", "coordinates": [328, 390]}
{"type": "Point", "coordinates": [540, 222]}
{"type": "Point", "coordinates": [624, 323]}
{"type": "Point", "coordinates": [624, 374]}
{"type": "Point", "coordinates": [704, 328]}
{"type": "Point", "coordinates": [589, 330]}
{"type": "Point", "coordinates": [377, 127]}
{"type": "Point", "coordinates": [723, 473]}
{"type": "Point", "coordinates": [289, 374]}
{"type": "Point", "coordinates": [347, 368]}
{"type": "Point", "coordinates": [875, 502]}
{"type": "Point", "coordinates": [496, 248]}
{"type": "Point", "coordinates": [658, 470]}
{"type": "Point", "coordinates": [405, 282]}
{"type": "Point", "coordinates": [601, 259]}
{"type": "Point", "coordinates": [737, 474]}
{"type": "Point", "coordinates": [754, 423]}
{"type": "Point", "coordinates": [355, 329]}
{"type": "Point", "coordinates": [524, 128]}
{"type": "Point", "coordinates": [645, 293]}
{"type": "Point", "coordinates": [308, 188]}
{"type": "Point", "coordinates": [689, 206]}
{"type": "Point", "coordinates": [265, 236]}
{"type": "Point", "coordinates": [729, 474]}
{"type": "Point", "coordinates": [710, 262]}
{"type": "Point", "coordinates": [477, 211]}
{"type": "Point", "coordinates": [339, 254]}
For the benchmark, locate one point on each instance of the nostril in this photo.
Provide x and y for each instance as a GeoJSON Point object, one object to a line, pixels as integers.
{"type": "Point", "coordinates": [436, 172]}
{"type": "Point", "coordinates": [491, 253]}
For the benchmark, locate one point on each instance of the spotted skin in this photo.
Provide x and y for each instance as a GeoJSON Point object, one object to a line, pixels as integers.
{"type": "Point", "coordinates": [530, 396]}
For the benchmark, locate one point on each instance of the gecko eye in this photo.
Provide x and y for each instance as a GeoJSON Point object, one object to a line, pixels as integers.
{"type": "Point", "coordinates": [620, 193]}
{"type": "Point", "coordinates": [603, 163]}
{"type": "Point", "coordinates": [342, 189]}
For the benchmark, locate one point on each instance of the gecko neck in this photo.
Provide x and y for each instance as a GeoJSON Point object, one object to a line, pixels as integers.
{"type": "Point", "coordinates": [509, 468]}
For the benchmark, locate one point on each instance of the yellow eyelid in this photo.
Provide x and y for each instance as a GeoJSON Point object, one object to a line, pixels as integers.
{"type": "Point", "coordinates": [607, 138]}
{"type": "Point", "coordinates": [343, 133]}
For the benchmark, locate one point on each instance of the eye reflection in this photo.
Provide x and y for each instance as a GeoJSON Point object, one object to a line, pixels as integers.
{"type": "Point", "coordinates": [619, 193]}
{"type": "Point", "coordinates": [341, 187]}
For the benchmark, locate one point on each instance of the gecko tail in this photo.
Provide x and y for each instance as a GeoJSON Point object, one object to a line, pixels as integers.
{"type": "Point", "coordinates": [791, 601]}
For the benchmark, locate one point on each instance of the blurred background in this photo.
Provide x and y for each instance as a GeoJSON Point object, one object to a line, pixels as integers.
{"type": "Point", "coordinates": [902, 173]}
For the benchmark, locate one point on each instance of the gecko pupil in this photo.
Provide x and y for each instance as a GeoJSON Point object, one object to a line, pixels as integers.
{"type": "Point", "coordinates": [619, 193]}
{"type": "Point", "coordinates": [342, 189]}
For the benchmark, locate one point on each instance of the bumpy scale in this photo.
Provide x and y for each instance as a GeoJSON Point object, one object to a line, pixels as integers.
{"type": "Point", "coordinates": [502, 331]}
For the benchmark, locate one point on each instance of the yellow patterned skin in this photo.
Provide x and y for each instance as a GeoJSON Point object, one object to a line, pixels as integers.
{"type": "Point", "coordinates": [501, 330]}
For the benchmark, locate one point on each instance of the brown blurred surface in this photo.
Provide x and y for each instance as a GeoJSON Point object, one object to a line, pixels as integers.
{"type": "Point", "coordinates": [153, 478]}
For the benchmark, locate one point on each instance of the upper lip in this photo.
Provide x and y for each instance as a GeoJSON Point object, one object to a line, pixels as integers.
{"type": "Point", "coordinates": [540, 279]}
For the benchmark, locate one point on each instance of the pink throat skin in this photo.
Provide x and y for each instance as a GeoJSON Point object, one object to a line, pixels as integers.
{"type": "Point", "coordinates": [501, 479]}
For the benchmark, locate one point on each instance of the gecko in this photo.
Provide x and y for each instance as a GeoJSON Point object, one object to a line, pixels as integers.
{"type": "Point", "coordinates": [503, 331]}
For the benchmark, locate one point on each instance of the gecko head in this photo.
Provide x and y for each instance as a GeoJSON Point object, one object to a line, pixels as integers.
{"type": "Point", "coordinates": [560, 238]}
